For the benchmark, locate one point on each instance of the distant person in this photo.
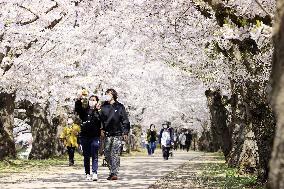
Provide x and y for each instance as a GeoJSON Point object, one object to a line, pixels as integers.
{"type": "Point", "coordinates": [144, 142]}
{"type": "Point", "coordinates": [176, 141]}
{"type": "Point", "coordinates": [90, 132]}
{"type": "Point", "coordinates": [116, 128]}
{"type": "Point", "coordinates": [166, 140]}
{"type": "Point", "coordinates": [188, 140]}
{"type": "Point", "coordinates": [182, 139]}
{"type": "Point", "coordinates": [151, 138]}
{"type": "Point", "coordinates": [69, 137]}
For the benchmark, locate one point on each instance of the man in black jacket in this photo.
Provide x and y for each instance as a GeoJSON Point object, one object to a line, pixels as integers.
{"type": "Point", "coordinates": [116, 128]}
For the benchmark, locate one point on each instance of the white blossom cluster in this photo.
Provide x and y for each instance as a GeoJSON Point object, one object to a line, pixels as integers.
{"type": "Point", "coordinates": [156, 53]}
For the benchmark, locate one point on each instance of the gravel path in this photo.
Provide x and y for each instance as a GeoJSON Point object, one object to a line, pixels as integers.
{"type": "Point", "coordinates": [135, 172]}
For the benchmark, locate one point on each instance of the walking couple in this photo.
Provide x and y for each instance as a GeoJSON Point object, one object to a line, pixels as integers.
{"type": "Point", "coordinates": [109, 120]}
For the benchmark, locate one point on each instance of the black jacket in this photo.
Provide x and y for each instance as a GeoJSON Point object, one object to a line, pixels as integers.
{"type": "Point", "coordinates": [115, 119]}
{"type": "Point", "coordinates": [91, 121]}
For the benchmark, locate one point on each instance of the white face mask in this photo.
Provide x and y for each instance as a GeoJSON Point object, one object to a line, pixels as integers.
{"type": "Point", "coordinates": [107, 98]}
{"type": "Point", "coordinates": [70, 121]}
{"type": "Point", "coordinates": [92, 103]}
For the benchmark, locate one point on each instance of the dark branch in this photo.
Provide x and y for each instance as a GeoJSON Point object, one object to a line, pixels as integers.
{"type": "Point", "coordinates": [29, 45]}
{"type": "Point", "coordinates": [55, 22]}
{"type": "Point", "coordinates": [51, 8]}
{"type": "Point", "coordinates": [36, 17]}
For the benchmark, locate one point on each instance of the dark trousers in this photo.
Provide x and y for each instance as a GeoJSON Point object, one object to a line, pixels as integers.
{"type": "Point", "coordinates": [71, 151]}
{"type": "Point", "coordinates": [90, 149]}
{"type": "Point", "coordinates": [166, 152]}
{"type": "Point", "coordinates": [175, 145]}
{"type": "Point", "coordinates": [187, 146]}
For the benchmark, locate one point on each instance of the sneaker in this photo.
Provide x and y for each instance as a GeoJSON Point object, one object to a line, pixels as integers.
{"type": "Point", "coordinates": [88, 177]}
{"type": "Point", "coordinates": [95, 177]}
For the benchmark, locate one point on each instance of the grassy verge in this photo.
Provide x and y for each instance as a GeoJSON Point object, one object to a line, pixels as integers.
{"type": "Point", "coordinates": [139, 152]}
{"type": "Point", "coordinates": [220, 175]}
{"type": "Point", "coordinates": [21, 165]}
{"type": "Point", "coordinates": [208, 171]}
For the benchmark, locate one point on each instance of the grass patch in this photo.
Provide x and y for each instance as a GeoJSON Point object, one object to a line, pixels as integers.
{"type": "Point", "coordinates": [139, 152]}
{"type": "Point", "coordinates": [220, 175]}
{"type": "Point", "coordinates": [21, 165]}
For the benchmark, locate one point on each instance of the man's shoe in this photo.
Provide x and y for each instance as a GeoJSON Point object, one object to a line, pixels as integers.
{"type": "Point", "coordinates": [95, 177]}
{"type": "Point", "coordinates": [112, 177]}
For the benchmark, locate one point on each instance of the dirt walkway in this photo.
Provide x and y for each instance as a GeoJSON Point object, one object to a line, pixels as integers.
{"type": "Point", "coordinates": [135, 172]}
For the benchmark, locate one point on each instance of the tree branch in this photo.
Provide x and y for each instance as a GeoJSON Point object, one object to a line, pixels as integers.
{"type": "Point", "coordinates": [51, 8]}
{"type": "Point", "coordinates": [48, 51]}
{"type": "Point", "coordinates": [262, 8]}
{"type": "Point", "coordinates": [29, 21]}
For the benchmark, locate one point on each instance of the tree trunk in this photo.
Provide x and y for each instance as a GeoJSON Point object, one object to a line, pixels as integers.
{"type": "Point", "coordinates": [244, 153]}
{"type": "Point", "coordinates": [7, 145]}
{"type": "Point", "coordinates": [46, 141]}
{"type": "Point", "coordinates": [276, 175]}
{"type": "Point", "coordinates": [263, 123]}
{"type": "Point", "coordinates": [221, 135]}
{"type": "Point", "coordinates": [44, 133]}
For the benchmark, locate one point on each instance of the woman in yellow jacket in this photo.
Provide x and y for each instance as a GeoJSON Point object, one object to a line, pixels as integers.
{"type": "Point", "coordinates": [69, 136]}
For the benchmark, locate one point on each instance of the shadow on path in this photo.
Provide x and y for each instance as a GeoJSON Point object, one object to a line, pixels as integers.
{"type": "Point", "coordinates": [135, 172]}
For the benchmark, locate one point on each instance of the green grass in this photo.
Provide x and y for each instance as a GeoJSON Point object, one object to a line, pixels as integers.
{"type": "Point", "coordinates": [138, 152]}
{"type": "Point", "coordinates": [21, 165]}
{"type": "Point", "coordinates": [220, 175]}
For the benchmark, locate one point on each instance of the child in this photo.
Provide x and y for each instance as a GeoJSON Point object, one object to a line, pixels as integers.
{"type": "Point", "coordinates": [69, 136]}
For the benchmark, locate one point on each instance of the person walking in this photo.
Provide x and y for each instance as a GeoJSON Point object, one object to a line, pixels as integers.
{"type": "Point", "coordinates": [116, 128]}
{"type": "Point", "coordinates": [151, 138]}
{"type": "Point", "coordinates": [166, 140]}
{"type": "Point", "coordinates": [188, 140]}
{"type": "Point", "coordinates": [182, 139]}
{"type": "Point", "coordinates": [175, 147]}
{"type": "Point", "coordinates": [69, 137]}
{"type": "Point", "coordinates": [144, 141]}
{"type": "Point", "coordinates": [90, 133]}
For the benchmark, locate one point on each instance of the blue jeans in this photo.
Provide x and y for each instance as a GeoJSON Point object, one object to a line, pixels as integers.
{"type": "Point", "coordinates": [90, 149]}
{"type": "Point", "coordinates": [151, 148]}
